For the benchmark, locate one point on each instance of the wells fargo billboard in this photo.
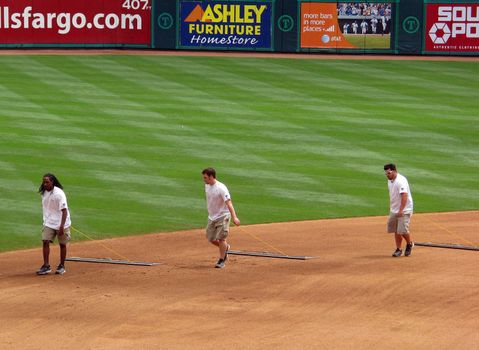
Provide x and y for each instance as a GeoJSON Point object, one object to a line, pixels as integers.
{"type": "Point", "coordinates": [115, 22]}
{"type": "Point", "coordinates": [452, 28]}
{"type": "Point", "coordinates": [225, 24]}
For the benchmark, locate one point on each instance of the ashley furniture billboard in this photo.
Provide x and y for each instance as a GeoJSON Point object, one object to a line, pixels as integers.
{"type": "Point", "coordinates": [225, 24]}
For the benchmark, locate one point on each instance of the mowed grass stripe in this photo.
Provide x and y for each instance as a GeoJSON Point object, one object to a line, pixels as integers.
{"type": "Point", "coordinates": [93, 158]}
{"type": "Point", "coordinates": [415, 78]}
{"type": "Point", "coordinates": [293, 140]}
{"type": "Point", "coordinates": [301, 134]}
{"type": "Point", "coordinates": [96, 159]}
{"type": "Point", "coordinates": [195, 140]}
{"type": "Point", "coordinates": [325, 81]}
{"type": "Point", "coordinates": [237, 80]}
{"type": "Point", "coordinates": [160, 87]}
{"type": "Point", "coordinates": [426, 136]}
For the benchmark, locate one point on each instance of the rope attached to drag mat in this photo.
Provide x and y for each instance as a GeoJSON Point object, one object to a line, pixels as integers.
{"type": "Point", "coordinates": [262, 241]}
{"type": "Point", "coordinates": [449, 231]}
{"type": "Point", "coordinates": [97, 242]}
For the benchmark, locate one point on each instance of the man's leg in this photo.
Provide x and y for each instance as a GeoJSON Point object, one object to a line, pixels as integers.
{"type": "Point", "coordinates": [45, 269]}
{"type": "Point", "coordinates": [409, 244]}
{"type": "Point", "coordinates": [46, 252]}
{"type": "Point", "coordinates": [223, 245]}
{"type": "Point", "coordinates": [407, 237]}
{"type": "Point", "coordinates": [398, 239]}
{"type": "Point", "coordinates": [63, 254]}
{"type": "Point", "coordinates": [216, 243]}
{"type": "Point", "coordinates": [403, 228]}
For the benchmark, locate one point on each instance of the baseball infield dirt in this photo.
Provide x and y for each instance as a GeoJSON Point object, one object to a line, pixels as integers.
{"type": "Point", "coordinates": [354, 295]}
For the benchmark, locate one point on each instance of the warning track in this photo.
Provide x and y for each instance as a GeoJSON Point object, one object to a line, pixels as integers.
{"type": "Point", "coordinates": [306, 56]}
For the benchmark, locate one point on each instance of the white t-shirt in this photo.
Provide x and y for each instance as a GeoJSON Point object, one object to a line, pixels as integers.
{"type": "Point", "coordinates": [216, 197]}
{"type": "Point", "coordinates": [53, 202]}
{"type": "Point", "coordinates": [396, 187]}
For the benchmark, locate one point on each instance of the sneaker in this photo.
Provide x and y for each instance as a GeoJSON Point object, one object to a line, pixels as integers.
{"type": "Point", "coordinates": [408, 249]}
{"type": "Point", "coordinates": [220, 264]}
{"type": "Point", "coordinates": [45, 269]}
{"type": "Point", "coordinates": [397, 253]}
{"type": "Point", "coordinates": [226, 254]}
{"type": "Point", "coordinates": [60, 270]}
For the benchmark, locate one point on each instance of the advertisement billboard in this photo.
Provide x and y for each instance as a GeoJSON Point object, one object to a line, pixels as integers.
{"type": "Point", "coordinates": [226, 24]}
{"type": "Point", "coordinates": [452, 28]}
{"type": "Point", "coordinates": [345, 25]}
{"type": "Point", "coordinates": [108, 22]}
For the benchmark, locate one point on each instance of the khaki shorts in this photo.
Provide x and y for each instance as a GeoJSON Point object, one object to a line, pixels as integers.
{"type": "Point", "coordinates": [49, 234]}
{"type": "Point", "coordinates": [399, 225]}
{"type": "Point", "coordinates": [218, 229]}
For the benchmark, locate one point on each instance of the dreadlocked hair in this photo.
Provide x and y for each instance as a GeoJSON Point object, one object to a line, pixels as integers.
{"type": "Point", "coordinates": [53, 179]}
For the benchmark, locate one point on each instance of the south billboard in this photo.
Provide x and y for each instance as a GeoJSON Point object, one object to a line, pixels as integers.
{"type": "Point", "coordinates": [452, 28]}
{"type": "Point", "coordinates": [104, 22]}
{"type": "Point", "coordinates": [225, 25]}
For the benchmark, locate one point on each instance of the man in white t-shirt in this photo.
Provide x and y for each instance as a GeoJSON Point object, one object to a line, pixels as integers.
{"type": "Point", "coordinates": [56, 222]}
{"type": "Point", "coordinates": [400, 209]}
{"type": "Point", "coordinates": [355, 27]}
{"type": "Point", "coordinates": [220, 212]}
{"type": "Point", "coordinates": [364, 27]}
{"type": "Point", "coordinates": [374, 24]}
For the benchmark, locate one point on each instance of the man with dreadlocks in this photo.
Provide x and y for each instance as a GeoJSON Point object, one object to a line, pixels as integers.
{"type": "Point", "coordinates": [56, 222]}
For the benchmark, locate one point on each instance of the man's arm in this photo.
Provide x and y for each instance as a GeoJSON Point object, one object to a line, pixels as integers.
{"type": "Point", "coordinates": [64, 218]}
{"type": "Point", "coordinates": [229, 204]}
{"type": "Point", "coordinates": [403, 204]}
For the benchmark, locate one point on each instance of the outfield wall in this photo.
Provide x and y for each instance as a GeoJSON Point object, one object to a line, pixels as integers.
{"type": "Point", "coordinates": [443, 27]}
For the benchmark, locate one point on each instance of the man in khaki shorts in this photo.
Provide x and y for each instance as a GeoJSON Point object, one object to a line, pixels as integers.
{"type": "Point", "coordinates": [56, 222]}
{"type": "Point", "coordinates": [220, 212]}
{"type": "Point", "coordinates": [400, 209]}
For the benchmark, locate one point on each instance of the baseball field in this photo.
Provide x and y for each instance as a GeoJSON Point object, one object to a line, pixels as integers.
{"type": "Point", "coordinates": [300, 144]}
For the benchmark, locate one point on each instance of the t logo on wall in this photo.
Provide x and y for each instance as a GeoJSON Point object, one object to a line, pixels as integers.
{"type": "Point", "coordinates": [285, 23]}
{"type": "Point", "coordinates": [165, 20]}
{"type": "Point", "coordinates": [452, 27]}
{"type": "Point", "coordinates": [411, 24]}
{"type": "Point", "coordinates": [224, 24]}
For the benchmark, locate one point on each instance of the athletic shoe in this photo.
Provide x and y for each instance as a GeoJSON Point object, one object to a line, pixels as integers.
{"type": "Point", "coordinates": [220, 264]}
{"type": "Point", "coordinates": [408, 249]}
{"type": "Point", "coordinates": [45, 269]}
{"type": "Point", "coordinates": [397, 253]}
{"type": "Point", "coordinates": [226, 254]}
{"type": "Point", "coordinates": [60, 270]}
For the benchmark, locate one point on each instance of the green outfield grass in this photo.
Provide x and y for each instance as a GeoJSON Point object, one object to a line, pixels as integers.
{"type": "Point", "coordinates": [369, 41]}
{"type": "Point", "coordinates": [293, 139]}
